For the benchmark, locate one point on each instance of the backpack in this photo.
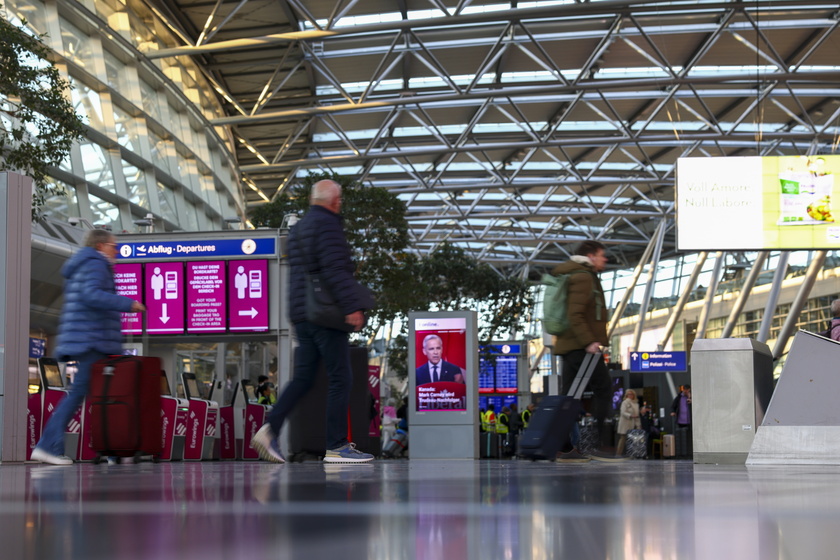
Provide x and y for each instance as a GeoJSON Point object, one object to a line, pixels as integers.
{"type": "Point", "coordinates": [555, 303]}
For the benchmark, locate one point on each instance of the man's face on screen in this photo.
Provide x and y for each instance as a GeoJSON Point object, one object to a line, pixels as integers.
{"type": "Point", "coordinates": [433, 349]}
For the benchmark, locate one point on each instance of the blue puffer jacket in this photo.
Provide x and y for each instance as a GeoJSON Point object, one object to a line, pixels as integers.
{"type": "Point", "coordinates": [90, 316]}
{"type": "Point", "coordinates": [317, 242]}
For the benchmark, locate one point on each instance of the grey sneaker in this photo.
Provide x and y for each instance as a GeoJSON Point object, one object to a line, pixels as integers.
{"type": "Point", "coordinates": [347, 453]}
{"type": "Point", "coordinates": [265, 443]}
{"type": "Point", "coordinates": [42, 456]}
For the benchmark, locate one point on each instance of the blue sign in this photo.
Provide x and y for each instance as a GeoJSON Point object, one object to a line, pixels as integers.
{"type": "Point", "coordinates": [657, 361]}
{"type": "Point", "coordinates": [37, 347]}
{"type": "Point", "coordinates": [159, 250]}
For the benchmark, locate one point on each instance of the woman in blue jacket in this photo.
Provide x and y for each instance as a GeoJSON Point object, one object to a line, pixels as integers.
{"type": "Point", "coordinates": [89, 330]}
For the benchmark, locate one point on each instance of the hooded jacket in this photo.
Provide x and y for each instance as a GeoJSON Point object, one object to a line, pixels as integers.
{"type": "Point", "coordinates": [90, 315]}
{"type": "Point", "coordinates": [586, 307]}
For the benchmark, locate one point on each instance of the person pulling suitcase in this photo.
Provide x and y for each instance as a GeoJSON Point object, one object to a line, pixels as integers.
{"type": "Point", "coordinates": [88, 331]}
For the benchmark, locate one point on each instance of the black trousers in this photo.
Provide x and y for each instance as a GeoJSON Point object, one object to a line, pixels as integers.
{"type": "Point", "coordinates": [600, 384]}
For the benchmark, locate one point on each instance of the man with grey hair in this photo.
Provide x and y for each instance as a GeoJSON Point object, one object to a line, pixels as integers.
{"type": "Point", "coordinates": [317, 245]}
{"type": "Point", "coordinates": [89, 330]}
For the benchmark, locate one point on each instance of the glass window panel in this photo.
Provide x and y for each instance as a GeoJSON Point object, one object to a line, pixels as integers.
{"type": "Point", "coordinates": [135, 180]}
{"type": "Point", "coordinates": [97, 166]}
{"type": "Point", "coordinates": [114, 12]}
{"type": "Point", "coordinates": [33, 11]}
{"type": "Point", "coordinates": [127, 131]}
{"type": "Point", "coordinates": [87, 103]}
{"type": "Point", "coordinates": [208, 191]}
{"type": "Point", "coordinates": [161, 152]}
{"type": "Point", "coordinates": [104, 213]}
{"type": "Point", "coordinates": [62, 206]}
{"type": "Point", "coordinates": [167, 203]}
{"type": "Point", "coordinates": [77, 44]}
{"type": "Point", "coordinates": [121, 77]}
{"type": "Point", "coordinates": [191, 221]}
{"type": "Point", "coordinates": [150, 100]}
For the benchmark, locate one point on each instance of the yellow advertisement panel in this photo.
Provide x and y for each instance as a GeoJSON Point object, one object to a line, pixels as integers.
{"type": "Point", "coordinates": [755, 203]}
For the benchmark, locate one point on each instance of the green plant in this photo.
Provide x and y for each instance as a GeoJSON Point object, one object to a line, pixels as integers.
{"type": "Point", "coordinates": [39, 124]}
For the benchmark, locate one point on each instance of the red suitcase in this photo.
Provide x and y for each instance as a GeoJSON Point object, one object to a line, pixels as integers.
{"type": "Point", "coordinates": [125, 407]}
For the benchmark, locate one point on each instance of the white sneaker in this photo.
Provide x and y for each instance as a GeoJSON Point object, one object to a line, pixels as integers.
{"type": "Point", "coordinates": [46, 457]}
{"type": "Point", "coordinates": [265, 443]}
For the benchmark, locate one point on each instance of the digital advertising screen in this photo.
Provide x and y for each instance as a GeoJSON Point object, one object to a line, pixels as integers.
{"type": "Point", "coordinates": [440, 362]}
{"type": "Point", "coordinates": [248, 295]}
{"type": "Point", "coordinates": [164, 297]}
{"type": "Point", "coordinates": [206, 297]}
{"type": "Point", "coordinates": [128, 281]}
{"type": "Point", "coordinates": [757, 203]}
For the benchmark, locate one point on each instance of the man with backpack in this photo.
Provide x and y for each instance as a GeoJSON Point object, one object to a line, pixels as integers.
{"type": "Point", "coordinates": [586, 331]}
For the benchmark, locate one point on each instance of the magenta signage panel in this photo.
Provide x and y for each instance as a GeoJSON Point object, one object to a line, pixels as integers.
{"type": "Point", "coordinates": [248, 295]}
{"type": "Point", "coordinates": [164, 297]}
{"type": "Point", "coordinates": [206, 297]}
{"type": "Point", "coordinates": [127, 278]}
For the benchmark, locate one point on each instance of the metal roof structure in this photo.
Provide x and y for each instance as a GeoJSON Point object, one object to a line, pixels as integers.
{"type": "Point", "coordinates": [515, 129]}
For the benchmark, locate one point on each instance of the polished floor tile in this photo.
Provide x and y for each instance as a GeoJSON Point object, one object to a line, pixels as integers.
{"type": "Point", "coordinates": [481, 510]}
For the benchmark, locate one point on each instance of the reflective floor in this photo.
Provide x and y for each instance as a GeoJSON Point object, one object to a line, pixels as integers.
{"type": "Point", "coordinates": [480, 510]}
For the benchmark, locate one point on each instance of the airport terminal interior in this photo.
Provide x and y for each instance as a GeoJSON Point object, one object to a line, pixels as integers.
{"type": "Point", "coordinates": [696, 139]}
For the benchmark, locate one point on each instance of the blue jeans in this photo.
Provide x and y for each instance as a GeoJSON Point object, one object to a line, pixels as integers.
{"type": "Point", "coordinates": [316, 343]}
{"type": "Point", "coordinates": [52, 441]}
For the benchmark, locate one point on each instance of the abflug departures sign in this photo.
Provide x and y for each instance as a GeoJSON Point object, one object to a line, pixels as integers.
{"type": "Point", "coordinates": [196, 296]}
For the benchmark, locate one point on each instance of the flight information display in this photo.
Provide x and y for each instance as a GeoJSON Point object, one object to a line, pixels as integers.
{"type": "Point", "coordinates": [498, 373]}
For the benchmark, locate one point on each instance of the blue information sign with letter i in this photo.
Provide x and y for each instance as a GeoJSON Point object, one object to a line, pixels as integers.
{"type": "Point", "coordinates": [657, 361]}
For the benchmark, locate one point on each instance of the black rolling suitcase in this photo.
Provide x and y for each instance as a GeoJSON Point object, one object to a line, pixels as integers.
{"type": "Point", "coordinates": [637, 444]}
{"type": "Point", "coordinates": [552, 421]}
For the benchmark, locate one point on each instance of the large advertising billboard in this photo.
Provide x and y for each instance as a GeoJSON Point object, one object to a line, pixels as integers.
{"type": "Point", "coordinates": [757, 203]}
{"type": "Point", "coordinates": [440, 364]}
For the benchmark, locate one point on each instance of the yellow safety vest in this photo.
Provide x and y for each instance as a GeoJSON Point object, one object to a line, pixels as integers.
{"type": "Point", "coordinates": [502, 425]}
{"type": "Point", "coordinates": [525, 419]}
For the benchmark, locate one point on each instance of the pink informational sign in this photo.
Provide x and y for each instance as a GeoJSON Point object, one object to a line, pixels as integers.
{"type": "Point", "coordinates": [127, 278]}
{"type": "Point", "coordinates": [206, 297]}
{"type": "Point", "coordinates": [164, 283]}
{"type": "Point", "coordinates": [248, 295]}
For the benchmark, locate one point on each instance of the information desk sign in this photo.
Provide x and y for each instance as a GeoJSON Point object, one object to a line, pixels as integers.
{"type": "Point", "coordinates": [127, 278]}
{"type": "Point", "coordinates": [657, 361]}
{"type": "Point", "coordinates": [206, 297]}
{"type": "Point", "coordinates": [248, 295]}
{"type": "Point", "coordinates": [164, 297]}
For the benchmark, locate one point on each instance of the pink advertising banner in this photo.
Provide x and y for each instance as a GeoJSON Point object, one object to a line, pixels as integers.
{"type": "Point", "coordinates": [164, 297]}
{"type": "Point", "coordinates": [248, 295]}
{"type": "Point", "coordinates": [127, 278]}
{"type": "Point", "coordinates": [206, 297]}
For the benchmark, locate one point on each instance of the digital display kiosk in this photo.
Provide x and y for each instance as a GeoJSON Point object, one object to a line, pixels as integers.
{"type": "Point", "coordinates": [443, 382]}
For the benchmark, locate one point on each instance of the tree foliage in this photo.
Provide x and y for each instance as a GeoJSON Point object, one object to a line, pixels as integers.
{"type": "Point", "coordinates": [38, 124]}
{"type": "Point", "coordinates": [447, 279]}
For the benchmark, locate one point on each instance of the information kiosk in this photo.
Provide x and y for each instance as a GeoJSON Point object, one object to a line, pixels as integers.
{"type": "Point", "coordinates": [53, 390]}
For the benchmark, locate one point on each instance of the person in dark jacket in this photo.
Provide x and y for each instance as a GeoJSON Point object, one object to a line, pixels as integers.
{"type": "Point", "coordinates": [317, 244]}
{"type": "Point", "coordinates": [89, 330]}
{"type": "Point", "coordinates": [587, 333]}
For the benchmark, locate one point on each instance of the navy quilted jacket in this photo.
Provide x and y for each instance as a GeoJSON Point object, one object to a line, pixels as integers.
{"type": "Point", "coordinates": [317, 242]}
{"type": "Point", "coordinates": [90, 316]}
